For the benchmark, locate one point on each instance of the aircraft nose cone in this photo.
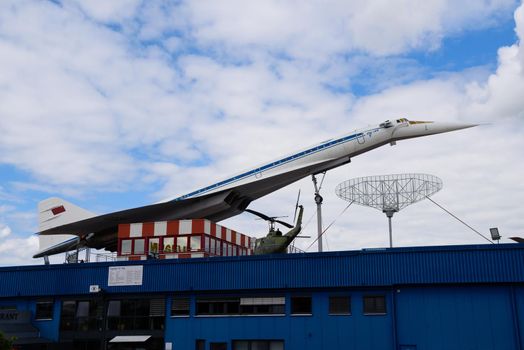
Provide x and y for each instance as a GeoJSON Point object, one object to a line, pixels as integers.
{"type": "Point", "coordinates": [439, 127]}
{"type": "Point", "coordinates": [419, 129]}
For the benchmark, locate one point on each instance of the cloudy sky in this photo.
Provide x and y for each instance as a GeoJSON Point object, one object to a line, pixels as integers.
{"type": "Point", "coordinates": [118, 104]}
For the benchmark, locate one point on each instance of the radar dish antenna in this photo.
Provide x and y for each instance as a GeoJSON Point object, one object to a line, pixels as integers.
{"type": "Point", "coordinates": [389, 193]}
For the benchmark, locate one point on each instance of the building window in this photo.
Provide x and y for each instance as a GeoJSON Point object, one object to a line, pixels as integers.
{"type": "Point", "coordinates": [181, 244]}
{"type": "Point", "coordinates": [374, 305]}
{"type": "Point", "coordinates": [126, 246]}
{"type": "Point", "coordinates": [206, 244]}
{"type": "Point", "coordinates": [301, 305]}
{"type": "Point", "coordinates": [135, 314]}
{"type": "Point", "coordinates": [263, 306]}
{"type": "Point", "coordinates": [44, 310]}
{"type": "Point", "coordinates": [153, 246]}
{"type": "Point", "coordinates": [248, 306]}
{"type": "Point", "coordinates": [200, 344]}
{"type": "Point", "coordinates": [168, 244]}
{"type": "Point", "coordinates": [81, 315]}
{"type": "Point", "coordinates": [217, 346]}
{"type": "Point", "coordinates": [339, 305]}
{"type": "Point", "coordinates": [180, 307]}
{"type": "Point", "coordinates": [258, 345]}
{"type": "Point", "coordinates": [196, 243]}
{"type": "Point", "coordinates": [139, 246]}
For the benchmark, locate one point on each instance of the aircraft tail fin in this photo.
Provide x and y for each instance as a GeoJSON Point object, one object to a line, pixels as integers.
{"type": "Point", "coordinates": [54, 212]}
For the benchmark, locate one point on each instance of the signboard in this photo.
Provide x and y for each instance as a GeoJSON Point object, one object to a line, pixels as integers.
{"type": "Point", "coordinates": [14, 316]}
{"type": "Point", "coordinates": [125, 276]}
{"type": "Point", "coordinates": [94, 288]}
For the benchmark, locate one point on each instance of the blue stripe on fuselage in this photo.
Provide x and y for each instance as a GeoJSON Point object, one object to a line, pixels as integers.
{"type": "Point", "coordinates": [272, 165]}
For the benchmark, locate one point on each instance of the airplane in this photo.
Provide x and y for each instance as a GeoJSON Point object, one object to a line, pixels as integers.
{"type": "Point", "coordinates": [229, 197]}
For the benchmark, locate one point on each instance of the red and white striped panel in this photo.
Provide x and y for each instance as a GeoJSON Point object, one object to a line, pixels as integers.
{"type": "Point", "coordinates": [183, 227]}
{"type": "Point", "coordinates": [164, 256]}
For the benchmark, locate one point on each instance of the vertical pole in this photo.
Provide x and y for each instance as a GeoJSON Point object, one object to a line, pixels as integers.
{"type": "Point", "coordinates": [88, 255]}
{"type": "Point", "coordinates": [389, 213]}
{"type": "Point", "coordinates": [390, 233]}
{"type": "Point", "coordinates": [319, 223]}
{"type": "Point", "coordinates": [318, 200]}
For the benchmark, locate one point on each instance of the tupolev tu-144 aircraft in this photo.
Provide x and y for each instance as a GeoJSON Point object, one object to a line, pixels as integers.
{"type": "Point", "coordinates": [228, 197]}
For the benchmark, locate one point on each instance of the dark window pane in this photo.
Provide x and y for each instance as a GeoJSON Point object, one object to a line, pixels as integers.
{"type": "Point", "coordinates": [339, 305]}
{"type": "Point", "coordinates": [141, 307]}
{"type": "Point", "coordinates": [301, 305]}
{"type": "Point", "coordinates": [68, 308]}
{"type": "Point", "coordinates": [127, 308]}
{"type": "Point", "coordinates": [374, 305]}
{"type": "Point", "coordinates": [180, 307]}
{"type": "Point", "coordinates": [218, 346]}
{"type": "Point", "coordinates": [157, 307]}
{"type": "Point", "coordinates": [258, 345]}
{"type": "Point", "coordinates": [218, 306]}
{"type": "Point", "coordinates": [113, 309]}
{"type": "Point", "coordinates": [44, 310]}
{"type": "Point", "coordinates": [200, 344]}
{"type": "Point", "coordinates": [82, 309]}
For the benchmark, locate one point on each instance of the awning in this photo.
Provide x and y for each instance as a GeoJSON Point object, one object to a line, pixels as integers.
{"type": "Point", "coordinates": [130, 339]}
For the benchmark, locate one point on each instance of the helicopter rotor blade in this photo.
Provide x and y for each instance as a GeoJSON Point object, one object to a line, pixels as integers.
{"type": "Point", "coordinates": [296, 206]}
{"type": "Point", "coordinates": [263, 216]}
{"type": "Point", "coordinates": [284, 223]}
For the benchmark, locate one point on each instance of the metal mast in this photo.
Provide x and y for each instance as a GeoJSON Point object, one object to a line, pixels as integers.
{"type": "Point", "coordinates": [318, 201]}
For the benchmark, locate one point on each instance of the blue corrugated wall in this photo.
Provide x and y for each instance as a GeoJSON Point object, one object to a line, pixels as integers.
{"type": "Point", "coordinates": [458, 297]}
{"type": "Point", "coordinates": [418, 318]}
{"type": "Point", "coordinates": [428, 265]}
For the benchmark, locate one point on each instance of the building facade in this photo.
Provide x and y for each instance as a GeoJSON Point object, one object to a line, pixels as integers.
{"type": "Point", "coordinates": [423, 298]}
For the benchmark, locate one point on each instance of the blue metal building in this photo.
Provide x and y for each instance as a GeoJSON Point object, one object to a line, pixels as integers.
{"type": "Point", "coordinates": [422, 298]}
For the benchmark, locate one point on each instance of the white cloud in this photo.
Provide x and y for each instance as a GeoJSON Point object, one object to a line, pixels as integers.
{"type": "Point", "coordinates": [317, 29]}
{"type": "Point", "coordinates": [17, 251]}
{"type": "Point", "coordinates": [4, 230]}
{"type": "Point", "coordinates": [189, 93]}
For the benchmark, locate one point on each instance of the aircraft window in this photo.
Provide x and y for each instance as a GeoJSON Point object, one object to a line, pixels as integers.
{"type": "Point", "coordinates": [386, 124]}
{"type": "Point", "coordinates": [126, 246]}
{"type": "Point", "coordinates": [139, 246]}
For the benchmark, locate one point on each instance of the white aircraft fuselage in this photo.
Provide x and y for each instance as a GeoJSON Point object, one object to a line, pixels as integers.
{"type": "Point", "coordinates": [232, 195]}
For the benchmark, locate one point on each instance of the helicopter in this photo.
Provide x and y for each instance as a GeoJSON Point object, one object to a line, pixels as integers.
{"type": "Point", "coordinates": [275, 241]}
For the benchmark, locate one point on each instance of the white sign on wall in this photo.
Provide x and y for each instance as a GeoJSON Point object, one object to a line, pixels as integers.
{"type": "Point", "coordinates": [125, 276]}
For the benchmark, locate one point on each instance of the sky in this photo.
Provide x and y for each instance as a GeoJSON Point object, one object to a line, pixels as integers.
{"type": "Point", "coordinates": [118, 104]}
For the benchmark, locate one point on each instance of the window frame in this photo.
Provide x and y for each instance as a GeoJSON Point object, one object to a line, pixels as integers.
{"type": "Point", "coordinates": [188, 314]}
{"type": "Point", "coordinates": [300, 313]}
{"type": "Point", "coordinates": [51, 310]}
{"type": "Point", "coordinates": [332, 312]}
{"type": "Point", "coordinates": [374, 297]}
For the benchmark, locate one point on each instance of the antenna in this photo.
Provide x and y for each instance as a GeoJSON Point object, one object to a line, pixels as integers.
{"type": "Point", "coordinates": [389, 193]}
